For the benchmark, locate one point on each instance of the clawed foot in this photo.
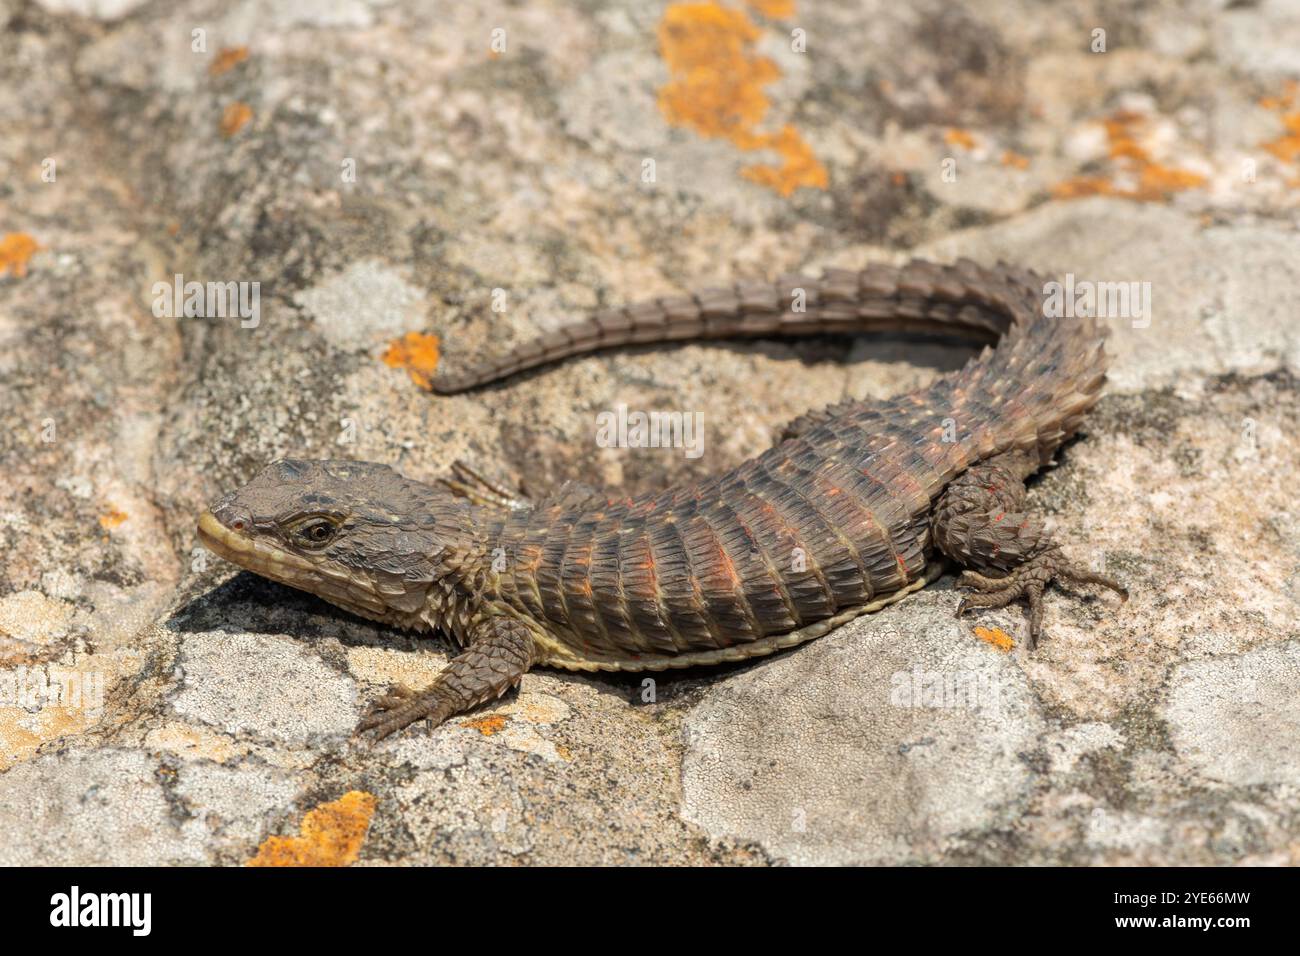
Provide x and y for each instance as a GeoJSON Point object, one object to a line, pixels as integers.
{"type": "Point", "coordinates": [1029, 581]}
{"type": "Point", "coordinates": [500, 650]}
{"type": "Point", "coordinates": [473, 485]}
{"type": "Point", "coordinates": [399, 708]}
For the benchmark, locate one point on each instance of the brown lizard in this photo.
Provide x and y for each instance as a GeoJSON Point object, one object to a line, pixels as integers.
{"type": "Point", "coordinates": [854, 509]}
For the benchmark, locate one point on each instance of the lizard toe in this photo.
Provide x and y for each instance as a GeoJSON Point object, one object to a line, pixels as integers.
{"type": "Point", "coordinates": [1029, 580]}
{"type": "Point", "coordinates": [382, 721]}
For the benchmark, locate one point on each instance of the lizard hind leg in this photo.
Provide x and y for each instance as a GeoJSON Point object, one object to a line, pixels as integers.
{"type": "Point", "coordinates": [471, 484]}
{"type": "Point", "coordinates": [981, 523]}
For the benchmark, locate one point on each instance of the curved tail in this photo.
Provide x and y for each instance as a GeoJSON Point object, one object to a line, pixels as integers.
{"type": "Point", "coordinates": [964, 300]}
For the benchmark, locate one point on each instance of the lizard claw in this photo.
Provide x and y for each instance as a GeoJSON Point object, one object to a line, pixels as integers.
{"type": "Point", "coordinates": [396, 696]}
{"type": "Point", "coordinates": [393, 711]}
{"type": "Point", "coordinates": [1029, 580]}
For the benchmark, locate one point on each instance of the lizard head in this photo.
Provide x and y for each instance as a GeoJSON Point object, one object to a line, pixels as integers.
{"type": "Point", "coordinates": [357, 534]}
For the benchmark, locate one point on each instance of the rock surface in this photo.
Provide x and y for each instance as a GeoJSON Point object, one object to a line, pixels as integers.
{"type": "Point", "coordinates": [484, 171]}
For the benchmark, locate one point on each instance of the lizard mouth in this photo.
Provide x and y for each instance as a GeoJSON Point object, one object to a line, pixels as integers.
{"type": "Point", "coordinates": [267, 559]}
{"type": "Point", "coordinates": [252, 553]}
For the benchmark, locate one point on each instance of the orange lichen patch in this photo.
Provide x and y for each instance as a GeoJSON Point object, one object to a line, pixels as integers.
{"type": "Point", "coordinates": [1015, 160]}
{"type": "Point", "coordinates": [717, 89]}
{"type": "Point", "coordinates": [1283, 102]}
{"type": "Point", "coordinates": [1154, 181]}
{"type": "Point", "coordinates": [1120, 132]}
{"type": "Point", "coordinates": [1079, 186]}
{"type": "Point", "coordinates": [799, 166]}
{"type": "Point", "coordinates": [15, 249]}
{"type": "Point", "coordinates": [112, 518]}
{"type": "Point", "coordinates": [22, 733]}
{"type": "Point", "coordinates": [332, 835]}
{"type": "Point", "coordinates": [489, 725]}
{"type": "Point", "coordinates": [959, 137]}
{"type": "Point", "coordinates": [235, 117]}
{"type": "Point", "coordinates": [1287, 146]}
{"type": "Point", "coordinates": [1158, 181]}
{"type": "Point", "coordinates": [995, 636]}
{"type": "Point", "coordinates": [776, 9]}
{"type": "Point", "coordinates": [418, 354]}
{"type": "Point", "coordinates": [227, 59]}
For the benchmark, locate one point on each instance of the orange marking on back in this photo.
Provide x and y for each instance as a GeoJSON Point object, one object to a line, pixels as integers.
{"type": "Point", "coordinates": [875, 523]}
{"type": "Point", "coordinates": [726, 566]}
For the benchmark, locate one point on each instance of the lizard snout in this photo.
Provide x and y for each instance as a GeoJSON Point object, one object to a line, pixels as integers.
{"type": "Point", "coordinates": [233, 516]}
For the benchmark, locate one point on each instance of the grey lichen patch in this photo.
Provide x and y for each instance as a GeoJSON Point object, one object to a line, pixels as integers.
{"type": "Point", "coordinates": [483, 788]}
{"type": "Point", "coordinates": [470, 809]}
{"type": "Point", "coordinates": [1215, 303]}
{"type": "Point", "coordinates": [32, 617]}
{"type": "Point", "coordinates": [264, 685]}
{"type": "Point", "coordinates": [237, 805]}
{"type": "Point", "coordinates": [1065, 748]}
{"type": "Point", "coordinates": [878, 744]}
{"type": "Point", "coordinates": [97, 9]}
{"type": "Point", "coordinates": [85, 808]}
{"type": "Point", "coordinates": [1236, 718]}
{"type": "Point", "coordinates": [362, 306]}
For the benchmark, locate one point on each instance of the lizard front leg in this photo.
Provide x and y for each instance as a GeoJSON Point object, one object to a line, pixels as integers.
{"type": "Point", "coordinates": [981, 523]}
{"type": "Point", "coordinates": [500, 652]}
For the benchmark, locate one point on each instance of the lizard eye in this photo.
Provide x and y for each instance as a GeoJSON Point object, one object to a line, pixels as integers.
{"type": "Point", "coordinates": [316, 532]}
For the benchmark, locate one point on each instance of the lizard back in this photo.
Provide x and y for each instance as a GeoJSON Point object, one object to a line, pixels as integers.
{"type": "Point", "coordinates": [830, 523]}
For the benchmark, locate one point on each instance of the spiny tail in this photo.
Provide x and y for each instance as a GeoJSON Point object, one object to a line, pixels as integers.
{"type": "Point", "coordinates": [964, 300]}
{"type": "Point", "coordinates": [1030, 392]}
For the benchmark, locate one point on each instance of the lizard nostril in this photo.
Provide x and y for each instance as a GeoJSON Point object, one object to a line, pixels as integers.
{"type": "Point", "coordinates": [232, 516]}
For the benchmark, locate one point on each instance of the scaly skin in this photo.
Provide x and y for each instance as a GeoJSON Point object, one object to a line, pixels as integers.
{"type": "Point", "coordinates": [852, 511]}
